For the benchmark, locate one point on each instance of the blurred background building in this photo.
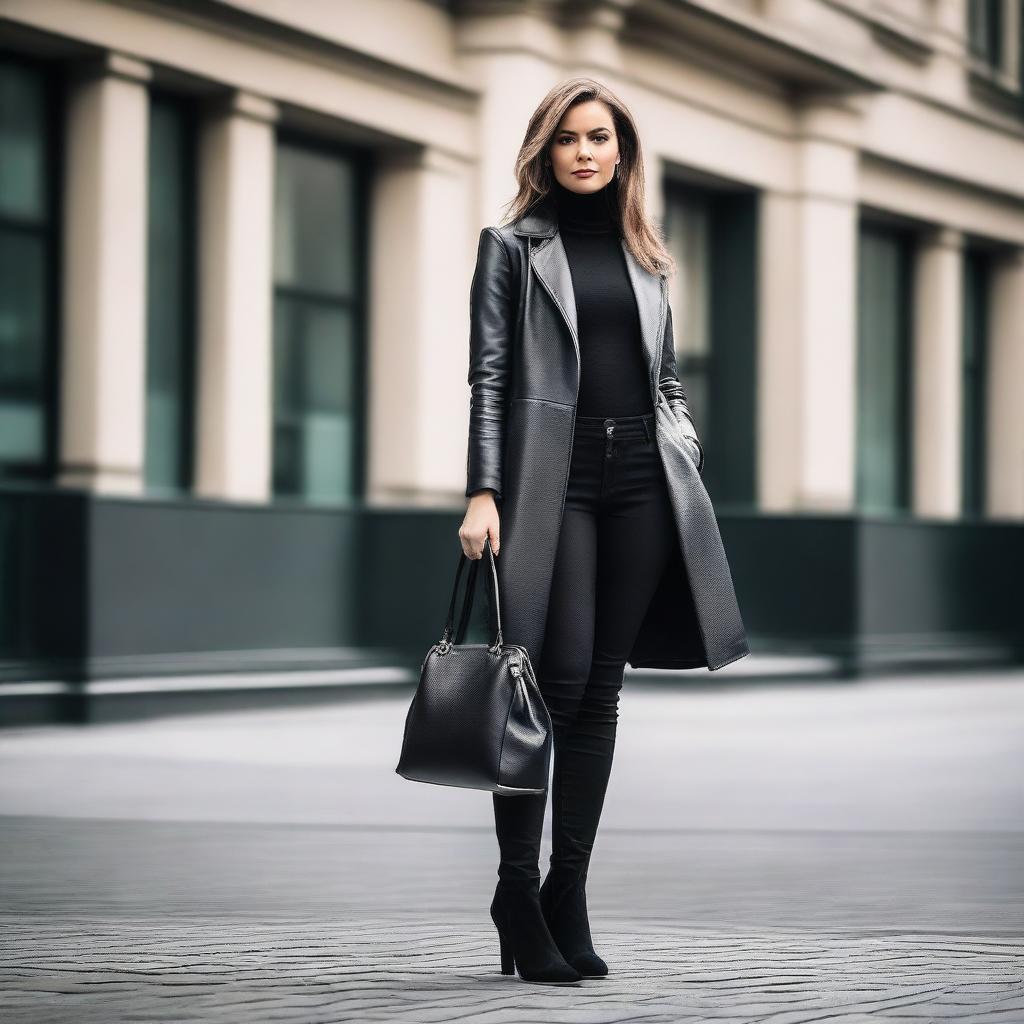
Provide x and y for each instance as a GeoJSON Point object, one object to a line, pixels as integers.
{"type": "Point", "coordinates": [236, 241]}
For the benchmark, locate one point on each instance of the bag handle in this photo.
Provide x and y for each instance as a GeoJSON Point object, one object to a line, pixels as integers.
{"type": "Point", "coordinates": [446, 637]}
{"type": "Point", "coordinates": [467, 601]}
{"type": "Point", "coordinates": [445, 643]}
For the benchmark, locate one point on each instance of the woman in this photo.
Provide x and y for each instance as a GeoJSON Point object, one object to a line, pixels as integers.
{"type": "Point", "coordinates": [583, 454]}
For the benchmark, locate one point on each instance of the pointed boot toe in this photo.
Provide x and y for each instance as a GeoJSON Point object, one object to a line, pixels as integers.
{"type": "Point", "coordinates": [563, 902]}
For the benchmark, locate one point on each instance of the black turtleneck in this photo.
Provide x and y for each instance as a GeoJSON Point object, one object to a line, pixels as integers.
{"type": "Point", "coordinates": [613, 369]}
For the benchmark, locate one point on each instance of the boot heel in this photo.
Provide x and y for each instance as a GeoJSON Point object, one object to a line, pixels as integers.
{"type": "Point", "coordinates": [508, 963]}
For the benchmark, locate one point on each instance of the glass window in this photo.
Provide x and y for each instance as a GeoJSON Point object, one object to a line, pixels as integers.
{"type": "Point", "coordinates": [317, 324]}
{"type": "Point", "coordinates": [985, 30]}
{"type": "Point", "coordinates": [711, 233]}
{"type": "Point", "coordinates": [170, 308]}
{"type": "Point", "coordinates": [1020, 45]}
{"type": "Point", "coordinates": [688, 227]}
{"type": "Point", "coordinates": [27, 268]}
{"type": "Point", "coordinates": [883, 351]}
{"type": "Point", "coordinates": [975, 345]}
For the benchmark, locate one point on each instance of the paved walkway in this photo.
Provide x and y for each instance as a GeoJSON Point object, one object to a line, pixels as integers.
{"type": "Point", "coordinates": [847, 853]}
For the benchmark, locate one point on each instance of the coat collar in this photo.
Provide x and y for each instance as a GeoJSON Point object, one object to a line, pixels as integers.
{"type": "Point", "coordinates": [540, 220]}
{"type": "Point", "coordinates": [551, 266]}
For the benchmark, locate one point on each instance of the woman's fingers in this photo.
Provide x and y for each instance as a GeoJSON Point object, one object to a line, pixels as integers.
{"type": "Point", "coordinates": [472, 543]}
{"type": "Point", "coordinates": [474, 538]}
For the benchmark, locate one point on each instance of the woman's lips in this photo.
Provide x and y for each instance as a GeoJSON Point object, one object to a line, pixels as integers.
{"type": "Point", "coordinates": [584, 174]}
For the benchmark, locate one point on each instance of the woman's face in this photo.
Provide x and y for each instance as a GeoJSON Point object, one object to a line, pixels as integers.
{"type": "Point", "coordinates": [585, 140]}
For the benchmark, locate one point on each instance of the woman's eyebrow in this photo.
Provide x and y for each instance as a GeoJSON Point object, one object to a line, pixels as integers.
{"type": "Point", "coordinates": [566, 131]}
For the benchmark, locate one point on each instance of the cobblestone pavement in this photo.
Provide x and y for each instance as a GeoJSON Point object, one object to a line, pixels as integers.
{"type": "Point", "coordinates": [846, 853]}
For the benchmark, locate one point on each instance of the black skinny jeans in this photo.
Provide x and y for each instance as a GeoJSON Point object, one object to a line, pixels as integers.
{"type": "Point", "coordinates": [616, 538]}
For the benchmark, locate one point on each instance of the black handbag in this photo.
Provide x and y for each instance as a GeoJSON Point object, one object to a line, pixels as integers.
{"type": "Point", "coordinates": [477, 719]}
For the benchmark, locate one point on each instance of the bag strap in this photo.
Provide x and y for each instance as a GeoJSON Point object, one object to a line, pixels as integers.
{"type": "Point", "coordinates": [499, 639]}
{"type": "Point", "coordinates": [467, 601]}
{"type": "Point", "coordinates": [446, 636]}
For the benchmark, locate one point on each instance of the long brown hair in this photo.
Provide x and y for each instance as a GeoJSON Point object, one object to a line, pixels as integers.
{"type": "Point", "coordinates": [536, 179]}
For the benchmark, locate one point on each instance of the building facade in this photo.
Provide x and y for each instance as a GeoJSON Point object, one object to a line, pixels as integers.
{"type": "Point", "coordinates": [236, 240]}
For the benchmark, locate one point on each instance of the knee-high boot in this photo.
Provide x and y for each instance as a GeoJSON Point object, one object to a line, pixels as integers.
{"type": "Point", "coordinates": [582, 766]}
{"type": "Point", "coordinates": [526, 942]}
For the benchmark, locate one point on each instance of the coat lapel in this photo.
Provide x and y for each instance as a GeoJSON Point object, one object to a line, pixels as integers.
{"type": "Point", "coordinates": [652, 305]}
{"type": "Point", "coordinates": [551, 266]}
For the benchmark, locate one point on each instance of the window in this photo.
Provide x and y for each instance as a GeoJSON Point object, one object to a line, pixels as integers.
{"type": "Point", "coordinates": [711, 233]}
{"type": "Point", "coordinates": [883, 356]}
{"type": "Point", "coordinates": [995, 39]}
{"type": "Point", "coordinates": [170, 303]}
{"type": "Point", "coordinates": [985, 30]}
{"type": "Point", "coordinates": [28, 258]}
{"type": "Point", "coordinates": [318, 319]}
{"type": "Point", "coordinates": [688, 228]}
{"type": "Point", "coordinates": [977, 276]}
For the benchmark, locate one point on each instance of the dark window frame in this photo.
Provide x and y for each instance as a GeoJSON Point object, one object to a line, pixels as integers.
{"type": "Point", "coordinates": [728, 371]}
{"type": "Point", "coordinates": [361, 162]}
{"type": "Point", "coordinates": [977, 266]}
{"type": "Point", "coordinates": [985, 30]}
{"type": "Point", "coordinates": [905, 235]}
{"type": "Point", "coordinates": [54, 75]}
{"type": "Point", "coordinates": [190, 109]}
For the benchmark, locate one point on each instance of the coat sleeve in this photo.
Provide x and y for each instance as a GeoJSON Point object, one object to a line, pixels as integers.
{"type": "Point", "coordinates": [491, 323]}
{"type": "Point", "coordinates": [672, 389]}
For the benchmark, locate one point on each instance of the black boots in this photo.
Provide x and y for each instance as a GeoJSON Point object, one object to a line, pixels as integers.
{"type": "Point", "coordinates": [544, 932]}
{"type": "Point", "coordinates": [563, 901]}
{"type": "Point", "coordinates": [583, 753]}
{"type": "Point", "coordinates": [523, 935]}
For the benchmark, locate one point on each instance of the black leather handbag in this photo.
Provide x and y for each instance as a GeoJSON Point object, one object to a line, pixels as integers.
{"type": "Point", "coordinates": [477, 719]}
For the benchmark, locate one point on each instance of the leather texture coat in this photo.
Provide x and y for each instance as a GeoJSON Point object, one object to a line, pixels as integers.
{"type": "Point", "coordinates": [524, 377]}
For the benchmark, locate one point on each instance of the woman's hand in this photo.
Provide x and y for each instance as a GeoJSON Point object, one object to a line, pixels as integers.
{"type": "Point", "coordinates": [480, 523]}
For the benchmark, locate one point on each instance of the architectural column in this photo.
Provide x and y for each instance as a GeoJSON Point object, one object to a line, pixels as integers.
{"type": "Point", "coordinates": [235, 396]}
{"type": "Point", "coordinates": [807, 338]}
{"type": "Point", "coordinates": [1004, 427]}
{"type": "Point", "coordinates": [103, 382]}
{"type": "Point", "coordinates": [944, 72]}
{"type": "Point", "coordinates": [423, 250]}
{"type": "Point", "coordinates": [938, 374]}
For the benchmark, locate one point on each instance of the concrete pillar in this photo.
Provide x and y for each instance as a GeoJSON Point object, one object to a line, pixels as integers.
{"type": "Point", "coordinates": [937, 375]}
{"type": "Point", "coordinates": [422, 252]}
{"type": "Point", "coordinates": [807, 343]}
{"type": "Point", "coordinates": [103, 381]}
{"type": "Point", "coordinates": [1005, 385]}
{"type": "Point", "coordinates": [235, 398]}
{"type": "Point", "coordinates": [944, 72]}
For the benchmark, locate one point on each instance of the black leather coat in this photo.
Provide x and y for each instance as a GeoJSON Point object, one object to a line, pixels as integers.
{"type": "Point", "coordinates": [524, 376]}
